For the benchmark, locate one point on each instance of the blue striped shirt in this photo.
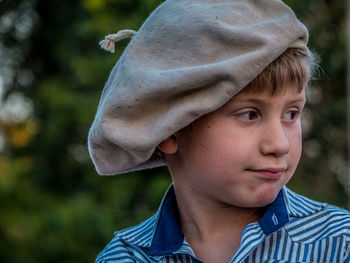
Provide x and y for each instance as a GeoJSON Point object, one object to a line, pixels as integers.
{"type": "Point", "coordinates": [292, 229]}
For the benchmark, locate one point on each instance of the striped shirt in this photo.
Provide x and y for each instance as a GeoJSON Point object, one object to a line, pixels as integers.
{"type": "Point", "coordinates": [292, 229]}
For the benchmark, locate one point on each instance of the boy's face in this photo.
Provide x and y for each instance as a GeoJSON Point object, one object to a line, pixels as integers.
{"type": "Point", "coordinates": [243, 153]}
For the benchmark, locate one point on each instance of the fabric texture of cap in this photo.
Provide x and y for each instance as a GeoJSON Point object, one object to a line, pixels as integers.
{"type": "Point", "coordinates": [187, 59]}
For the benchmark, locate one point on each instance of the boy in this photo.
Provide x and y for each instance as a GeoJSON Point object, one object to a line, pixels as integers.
{"type": "Point", "coordinates": [215, 90]}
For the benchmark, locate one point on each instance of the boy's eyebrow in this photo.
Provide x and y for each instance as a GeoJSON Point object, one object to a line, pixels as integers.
{"type": "Point", "coordinates": [266, 101]}
{"type": "Point", "coordinates": [298, 100]}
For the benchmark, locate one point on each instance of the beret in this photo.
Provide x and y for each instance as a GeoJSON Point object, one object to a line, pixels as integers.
{"type": "Point", "coordinates": [188, 58]}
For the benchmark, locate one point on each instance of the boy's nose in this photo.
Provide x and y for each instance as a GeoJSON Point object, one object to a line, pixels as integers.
{"type": "Point", "coordinates": [274, 140]}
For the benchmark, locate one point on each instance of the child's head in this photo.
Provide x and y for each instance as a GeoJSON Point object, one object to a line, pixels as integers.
{"type": "Point", "coordinates": [250, 147]}
{"type": "Point", "coordinates": [187, 60]}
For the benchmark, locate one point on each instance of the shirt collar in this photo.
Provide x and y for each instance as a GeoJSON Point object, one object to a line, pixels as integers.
{"type": "Point", "coordinates": [168, 236]}
{"type": "Point", "coordinates": [300, 206]}
{"type": "Point", "coordinates": [275, 216]}
{"type": "Point", "coordinates": [162, 233]}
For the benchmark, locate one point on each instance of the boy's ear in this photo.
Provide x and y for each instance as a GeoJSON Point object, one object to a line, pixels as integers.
{"type": "Point", "coordinates": [169, 145]}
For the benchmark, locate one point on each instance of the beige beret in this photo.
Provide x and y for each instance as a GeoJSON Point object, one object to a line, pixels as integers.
{"type": "Point", "coordinates": [188, 59]}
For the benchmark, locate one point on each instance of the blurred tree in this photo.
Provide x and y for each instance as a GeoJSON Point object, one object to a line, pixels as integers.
{"type": "Point", "coordinates": [54, 206]}
{"type": "Point", "coordinates": [324, 172]}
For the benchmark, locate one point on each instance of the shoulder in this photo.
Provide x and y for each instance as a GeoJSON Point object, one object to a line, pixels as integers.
{"type": "Point", "coordinates": [129, 245]}
{"type": "Point", "coordinates": [116, 251]}
{"type": "Point", "coordinates": [337, 221]}
{"type": "Point", "coordinates": [318, 221]}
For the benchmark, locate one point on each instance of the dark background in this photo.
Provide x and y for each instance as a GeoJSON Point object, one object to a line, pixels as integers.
{"type": "Point", "coordinates": [53, 205]}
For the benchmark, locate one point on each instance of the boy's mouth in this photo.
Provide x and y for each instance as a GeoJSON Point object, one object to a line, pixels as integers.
{"type": "Point", "coordinates": [269, 173]}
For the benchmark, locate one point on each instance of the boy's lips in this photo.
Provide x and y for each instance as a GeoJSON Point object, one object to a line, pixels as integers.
{"type": "Point", "coordinates": [269, 173]}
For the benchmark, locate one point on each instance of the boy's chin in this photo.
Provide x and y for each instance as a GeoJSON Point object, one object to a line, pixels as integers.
{"type": "Point", "coordinates": [264, 197]}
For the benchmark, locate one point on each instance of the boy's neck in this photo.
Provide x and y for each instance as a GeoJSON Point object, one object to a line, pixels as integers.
{"type": "Point", "coordinates": [203, 220]}
{"type": "Point", "coordinates": [213, 230]}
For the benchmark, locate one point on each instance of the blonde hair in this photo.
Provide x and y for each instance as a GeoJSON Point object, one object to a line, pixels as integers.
{"type": "Point", "coordinates": [294, 66]}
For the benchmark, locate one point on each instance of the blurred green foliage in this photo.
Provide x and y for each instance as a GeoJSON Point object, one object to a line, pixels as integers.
{"type": "Point", "coordinates": [54, 207]}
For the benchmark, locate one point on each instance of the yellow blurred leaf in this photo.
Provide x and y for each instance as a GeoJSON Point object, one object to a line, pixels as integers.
{"type": "Point", "coordinates": [20, 134]}
{"type": "Point", "coordinates": [94, 5]}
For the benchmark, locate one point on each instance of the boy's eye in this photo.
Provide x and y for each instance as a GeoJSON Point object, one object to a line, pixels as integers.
{"type": "Point", "coordinates": [248, 115]}
{"type": "Point", "coordinates": [291, 115]}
